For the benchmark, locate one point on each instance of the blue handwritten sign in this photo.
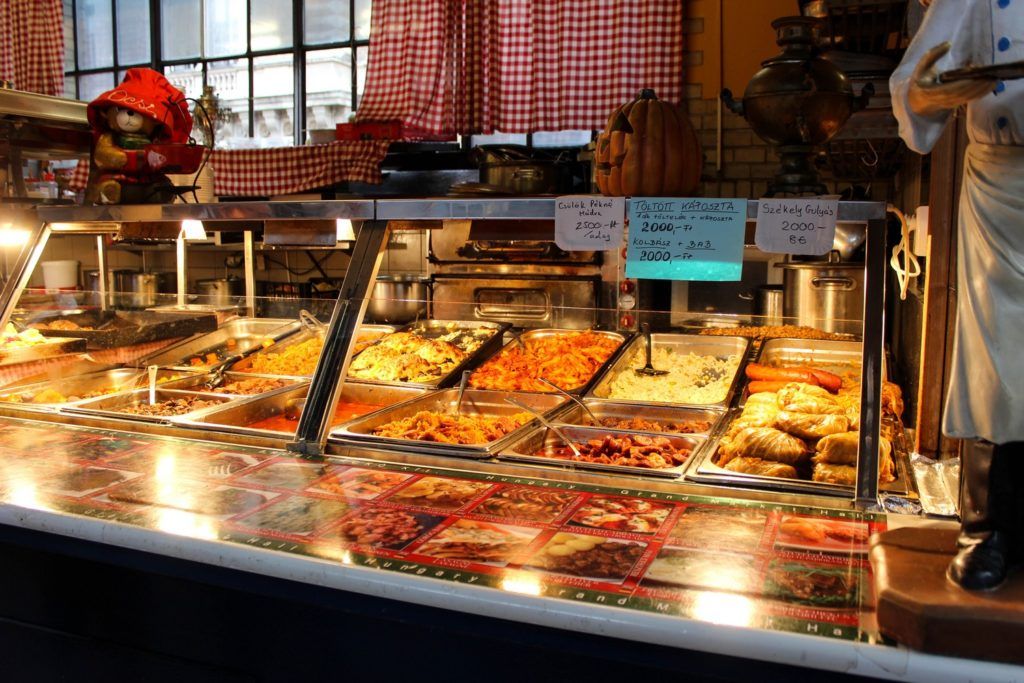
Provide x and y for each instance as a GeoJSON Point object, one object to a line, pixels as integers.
{"type": "Point", "coordinates": [674, 238]}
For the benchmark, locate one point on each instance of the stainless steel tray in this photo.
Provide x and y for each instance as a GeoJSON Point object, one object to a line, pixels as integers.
{"type": "Point", "coordinates": [121, 379]}
{"type": "Point", "coordinates": [542, 333]}
{"type": "Point", "coordinates": [475, 402]}
{"type": "Point", "coordinates": [834, 356]}
{"type": "Point", "coordinates": [111, 406]}
{"type": "Point", "coordinates": [705, 471]}
{"type": "Point", "coordinates": [247, 333]}
{"type": "Point", "coordinates": [574, 416]}
{"type": "Point", "coordinates": [719, 347]}
{"type": "Point", "coordinates": [197, 382]}
{"type": "Point", "coordinates": [368, 335]}
{"type": "Point", "coordinates": [525, 450]}
{"type": "Point", "coordinates": [243, 366]}
{"type": "Point", "coordinates": [432, 329]}
{"type": "Point", "coordinates": [237, 417]}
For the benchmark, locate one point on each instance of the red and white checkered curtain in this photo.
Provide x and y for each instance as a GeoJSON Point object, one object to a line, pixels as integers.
{"type": "Point", "coordinates": [32, 45]}
{"type": "Point", "coordinates": [518, 66]}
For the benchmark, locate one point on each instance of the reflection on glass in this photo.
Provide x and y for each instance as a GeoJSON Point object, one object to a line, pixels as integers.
{"type": "Point", "coordinates": [182, 523]}
{"type": "Point", "coordinates": [271, 24]}
{"type": "Point", "coordinates": [186, 77]}
{"type": "Point", "coordinates": [273, 103]}
{"type": "Point", "coordinates": [95, 34]}
{"type": "Point", "coordinates": [362, 19]}
{"type": "Point", "coordinates": [175, 14]}
{"type": "Point", "coordinates": [328, 88]}
{"type": "Point", "coordinates": [326, 21]}
{"type": "Point", "coordinates": [727, 609]}
{"type": "Point", "coordinates": [26, 495]}
{"type": "Point", "coordinates": [230, 81]}
{"type": "Point", "coordinates": [521, 582]}
{"type": "Point", "coordinates": [132, 32]}
{"type": "Point", "coordinates": [91, 85]}
{"type": "Point", "coordinates": [224, 23]}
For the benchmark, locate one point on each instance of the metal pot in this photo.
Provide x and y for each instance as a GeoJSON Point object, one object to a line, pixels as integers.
{"type": "Point", "coordinates": [220, 292]}
{"type": "Point", "coordinates": [119, 284]}
{"type": "Point", "coordinates": [144, 288]}
{"type": "Point", "coordinates": [518, 170]}
{"type": "Point", "coordinates": [828, 295]}
{"type": "Point", "coordinates": [398, 298]}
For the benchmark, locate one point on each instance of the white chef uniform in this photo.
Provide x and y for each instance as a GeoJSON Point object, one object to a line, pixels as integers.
{"type": "Point", "coordinates": [986, 393]}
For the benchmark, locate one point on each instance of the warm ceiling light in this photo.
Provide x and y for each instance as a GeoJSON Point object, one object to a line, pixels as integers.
{"type": "Point", "coordinates": [345, 231]}
{"type": "Point", "coordinates": [11, 236]}
{"type": "Point", "coordinates": [193, 230]}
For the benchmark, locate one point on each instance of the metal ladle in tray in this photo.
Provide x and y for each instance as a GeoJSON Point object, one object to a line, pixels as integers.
{"type": "Point", "coordinates": [648, 369]}
{"type": "Point", "coordinates": [462, 390]}
{"type": "Point", "coordinates": [544, 421]}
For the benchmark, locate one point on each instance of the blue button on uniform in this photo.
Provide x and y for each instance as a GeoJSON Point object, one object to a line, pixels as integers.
{"type": "Point", "coordinates": [1003, 44]}
{"type": "Point", "coordinates": [1000, 87]}
{"type": "Point", "coordinates": [1003, 4]}
{"type": "Point", "coordinates": [1002, 122]}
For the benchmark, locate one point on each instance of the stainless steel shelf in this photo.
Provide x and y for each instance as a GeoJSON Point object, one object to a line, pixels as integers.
{"type": "Point", "coordinates": [358, 209]}
{"type": "Point", "coordinates": [367, 209]}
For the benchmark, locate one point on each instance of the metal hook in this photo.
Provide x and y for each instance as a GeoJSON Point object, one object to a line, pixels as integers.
{"type": "Point", "coordinates": [874, 153]}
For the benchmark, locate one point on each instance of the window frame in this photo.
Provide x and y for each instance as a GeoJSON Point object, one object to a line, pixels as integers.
{"type": "Point", "coordinates": [298, 50]}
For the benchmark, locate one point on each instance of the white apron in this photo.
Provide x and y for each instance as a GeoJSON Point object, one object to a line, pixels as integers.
{"type": "Point", "coordinates": [986, 392]}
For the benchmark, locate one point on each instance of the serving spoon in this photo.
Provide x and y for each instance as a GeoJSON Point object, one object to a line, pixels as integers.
{"type": "Point", "coordinates": [648, 370]}
{"type": "Point", "coordinates": [462, 390]}
{"type": "Point", "coordinates": [544, 421]}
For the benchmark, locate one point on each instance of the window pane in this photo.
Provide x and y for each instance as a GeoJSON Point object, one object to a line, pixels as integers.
{"type": "Point", "coordinates": [179, 28]}
{"type": "Point", "coordinates": [562, 138]}
{"type": "Point", "coordinates": [362, 19]}
{"type": "Point", "coordinates": [132, 32]}
{"type": "Point", "coordinates": [230, 81]}
{"type": "Point", "coordinates": [273, 103]}
{"type": "Point", "coordinates": [362, 57]}
{"type": "Point", "coordinates": [328, 88]}
{"type": "Point", "coordinates": [326, 21]}
{"type": "Point", "coordinates": [69, 38]}
{"type": "Point", "coordinates": [188, 78]}
{"type": "Point", "coordinates": [225, 27]}
{"type": "Point", "coordinates": [94, 84]}
{"type": "Point", "coordinates": [271, 24]}
{"type": "Point", "coordinates": [95, 39]}
{"type": "Point", "coordinates": [69, 88]}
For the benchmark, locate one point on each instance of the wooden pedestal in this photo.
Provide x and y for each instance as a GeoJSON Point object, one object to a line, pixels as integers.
{"type": "Point", "coordinates": [920, 608]}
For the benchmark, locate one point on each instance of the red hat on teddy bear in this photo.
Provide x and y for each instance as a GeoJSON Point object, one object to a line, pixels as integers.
{"type": "Point", "coordinates": [150, 94]}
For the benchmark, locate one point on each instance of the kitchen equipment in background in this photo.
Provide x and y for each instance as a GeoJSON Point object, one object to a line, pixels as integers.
{"type": "Point", "coordinates": [221, 291]}
{"type": "Point", "coordinates": [399, 298]}
{"type": "Point", "coordinates": [60, 274]}
{"type": "Point", "coordinates": [768, 303]}
{"type": "Point", "coordinates": [796, 103]}
{"type": "Point", "coordinates": [828, 295]}
{"type": "Point", "coordinates": [516, 169]}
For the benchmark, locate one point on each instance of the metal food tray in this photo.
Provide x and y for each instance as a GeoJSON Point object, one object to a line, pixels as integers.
{"type": "Point", "coordinates": [379, 332]}
{"type": "Point", "coordinates": [122, 379]}
{"type": "Point", "coordinates": [471, 361]}
{"type": "Point", "coordinates": [51, 348]}
{"type": "Point", "coordinates": [243, 365]}
{"type": "Point", "coordinates": [435, 329]}
{"type": "Point", "coordinates": [475, 401]}
{"type": "Point", "coordinates": [235, 418]}
{"type": "Point", "coordinates": [705, 471]}
{"type": "Point", "coordinates": [525, 449]}
{"type": "Point", "coordinates": [248, 333]}
{"type": "Point", "coordinates": [197, 382]}
{"type": "Point", "coordinates": [841, 356]}
{"type": "Point", "coordinates": [111, 329]}
{"type": "Point", "coordinates": [108, 406]}
{"type": "Point", "coordinates": [574, 416]}
{"type": "Point", "coordinates": [541, 333]}
{"type": "Point", "coordinates": [720, 347]}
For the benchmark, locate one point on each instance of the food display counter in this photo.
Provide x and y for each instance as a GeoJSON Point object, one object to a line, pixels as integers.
{"type": "Point", "coordinates": [723, 506]}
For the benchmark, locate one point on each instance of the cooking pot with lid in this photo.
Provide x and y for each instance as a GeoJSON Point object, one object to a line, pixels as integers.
{"type": "Point", "coordinates": [398, 298]}
{"type": "Point", "coordinates": [827, 295]}
{"type": "Point", "coordinates": [220, 291]}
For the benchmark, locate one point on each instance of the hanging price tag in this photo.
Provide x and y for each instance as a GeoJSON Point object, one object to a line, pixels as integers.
{"type": "Point", "coordinates": [588, 223]}
{"type": "Point", "coordinates": [796, 226]}
{"type": "Point", "coordinates": [685, 239]}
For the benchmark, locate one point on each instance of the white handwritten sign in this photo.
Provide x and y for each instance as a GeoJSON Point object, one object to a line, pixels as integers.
{"type": "Point", "coordinates": [796, 226]}
{"type": "Point", "coordinates": [589, 223]}
{"type": "Point", "coordinates": [686, 239]}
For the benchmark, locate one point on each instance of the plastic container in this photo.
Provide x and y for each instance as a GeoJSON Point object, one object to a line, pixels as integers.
{"type": "Point", "coordinates": [60, 274]}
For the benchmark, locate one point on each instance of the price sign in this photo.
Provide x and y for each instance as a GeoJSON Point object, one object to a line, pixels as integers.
{"type": "Point", "coordinates": [685, 239]}
{"type": "Point", "coordinates": [587, 223]}
{"type": "Point", "coordinates": [796, 226]}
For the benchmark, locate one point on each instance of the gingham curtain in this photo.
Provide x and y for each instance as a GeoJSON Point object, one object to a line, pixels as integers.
{"type": "Point", "coordinates": [518, 66]}
{"type": "Point", "coordinates": [32, 45]}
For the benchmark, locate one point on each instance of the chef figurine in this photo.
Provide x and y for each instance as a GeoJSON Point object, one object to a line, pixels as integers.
{"type": "Point", "coordinates": [985, 405]}
{"type": "Point", "coordinates": [145, 108]}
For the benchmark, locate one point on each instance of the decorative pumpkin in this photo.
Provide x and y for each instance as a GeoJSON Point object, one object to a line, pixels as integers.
{"type": "Point", "coordinates": [648, 149]}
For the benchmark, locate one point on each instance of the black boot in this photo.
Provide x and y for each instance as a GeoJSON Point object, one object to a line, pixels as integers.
{"type": "Point", "coordinates": [987, 511]}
